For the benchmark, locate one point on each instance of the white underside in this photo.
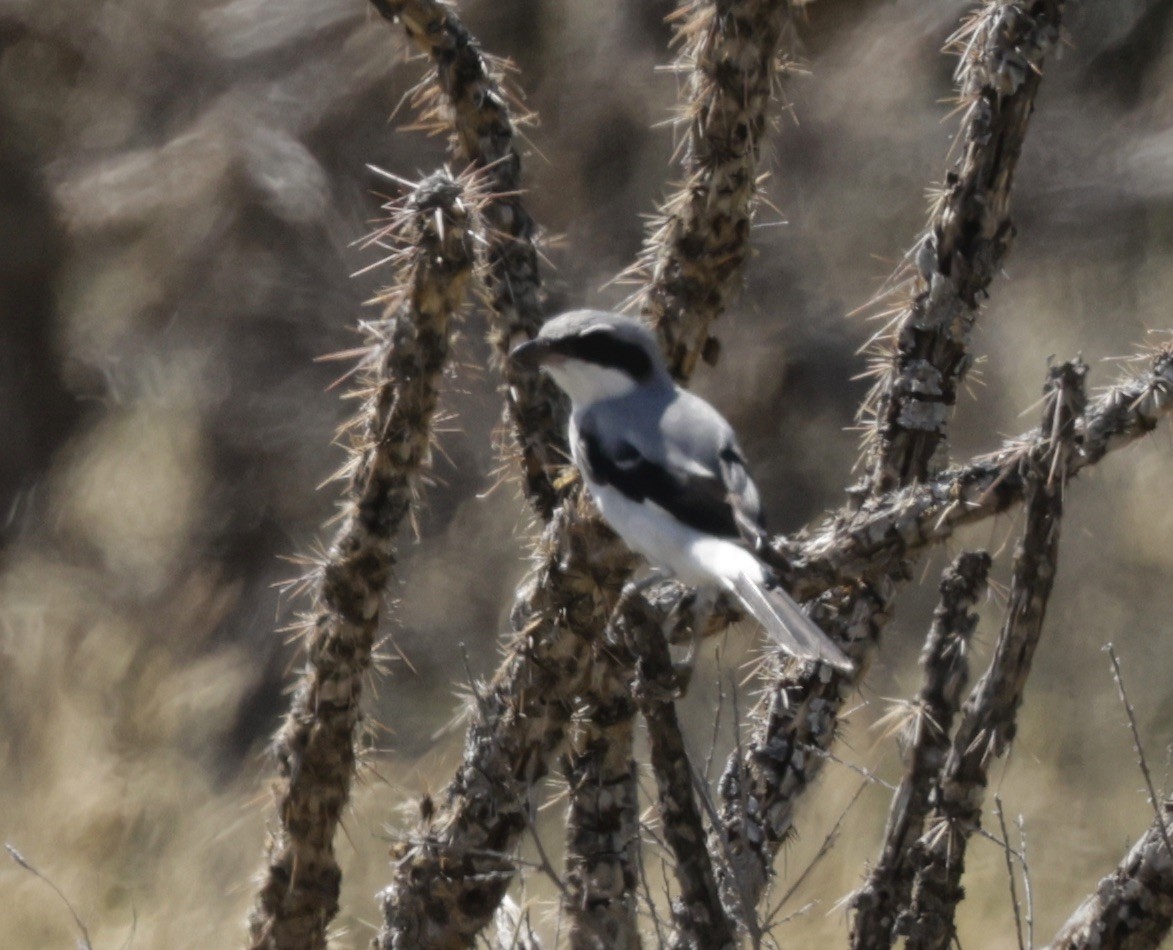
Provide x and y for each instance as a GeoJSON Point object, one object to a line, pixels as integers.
{"type": "Point", "coordinates": [697, 559]}
{"type": "Point", "coordinates": [701, 560]}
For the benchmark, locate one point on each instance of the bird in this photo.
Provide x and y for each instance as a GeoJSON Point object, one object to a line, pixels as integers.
{"type": "Point", "coordinates": [665, 470]}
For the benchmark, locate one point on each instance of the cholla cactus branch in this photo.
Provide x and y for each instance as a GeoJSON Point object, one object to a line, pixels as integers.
{"type": "Point", "coordinates": [446, 884]}
{"type": "Point", "coordinates": [989, 718]}
{"type": "Point", "coordinates": [699, 917]}
{"type": "Point", "coordinates": [794, 722]}
{"type": "Point", "coordinates": [602, 837]}
{"type": "Point", "coordinates": [922, 360]}
{"type": "Point", "coordinates": [484, 135]}
{"type": "Point", "coordinates": [854, 562]}
{"type": "Point", "coordinates": [874, 545]}
{"type": "Point", "coordinates": [926, 740]}
{"type": "Point", "coordinates": [918, 376]}
{"type": "Point", "coordinates": [466, 96]}
{"type": "Point", "coordinates": [895, 526]}
{"type": "Point", "coordinates": [697, 248]}
{"type": "Point", "coordinates": [1132, 909]}
{"type": "Point", "coordinates": [695, 257]}
{"type": "Point", "coordinates": [389, 445]}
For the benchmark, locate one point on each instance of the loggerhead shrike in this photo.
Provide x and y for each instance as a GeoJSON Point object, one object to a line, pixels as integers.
{"type": "Point", "coordinates": [665, 469]}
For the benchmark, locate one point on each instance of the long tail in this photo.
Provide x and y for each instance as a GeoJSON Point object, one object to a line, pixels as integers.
{"type": "Point", "coordinates": [785, 622]}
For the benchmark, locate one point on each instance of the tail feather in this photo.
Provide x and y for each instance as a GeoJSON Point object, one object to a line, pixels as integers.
{"type": "Point", "coordinates": [785, 622]}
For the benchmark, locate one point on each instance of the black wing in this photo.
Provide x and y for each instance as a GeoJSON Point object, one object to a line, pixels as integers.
{"type": "Point", "coordinates": [724, 505]}
{"type": "Point", "coordinates": [743, 497]}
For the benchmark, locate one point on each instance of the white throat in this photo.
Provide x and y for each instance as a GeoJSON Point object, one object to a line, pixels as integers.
{"type": "Point", "coordinates": [588, 383]}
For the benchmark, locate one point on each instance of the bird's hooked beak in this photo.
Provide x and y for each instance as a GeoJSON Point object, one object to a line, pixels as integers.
{"type": "Point", "coordinates": [533, 354]}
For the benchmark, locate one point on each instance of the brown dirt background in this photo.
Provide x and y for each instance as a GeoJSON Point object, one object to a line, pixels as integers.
{"type": "Point", "coordinates": [181, 190]}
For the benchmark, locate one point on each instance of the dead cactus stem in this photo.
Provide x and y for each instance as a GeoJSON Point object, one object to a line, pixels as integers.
{"type": "Point", "coordinates": [699, 917]}
{"type": "Point", "coordinates": [389, 445]}
{"type": "Point", "coordinates": [602, 832]}
{"type": "Point", "coordinates": [1132, 908]}
{"type": "Point", "coordinates": [447, 882]}
{"type": "Point", "coordinates": [918, 367]}
{"type": "Point", "coordinates": [465, 95]}
{"type": "Point", "coordinates": [795, 720]}
{"type": "Point", "coordinates": [925, 743]}
{"type": "Point", "coordinates": [428, 901]}
{"type": "Point", "coordinates": [989, 717]}
{"type": "Point", "coordinates": [922, 361]}
{"type": "Point", "coordinates": [448, 879]}
{"type": "Point", "coordinates": [870, 541]}
{"type": "Point", "coordinates": [696, 249]}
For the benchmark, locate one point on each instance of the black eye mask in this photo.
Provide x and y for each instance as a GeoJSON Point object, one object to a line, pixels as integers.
{"type": "Point", "coordinates": [608, 352]}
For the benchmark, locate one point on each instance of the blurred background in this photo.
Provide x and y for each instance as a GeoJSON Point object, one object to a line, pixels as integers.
{"type": "Point", "coordinates": [182, 187]}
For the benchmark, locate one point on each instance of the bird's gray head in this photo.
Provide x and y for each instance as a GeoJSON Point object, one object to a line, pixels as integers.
{"type": "Point", "coordinates": [594, 355]}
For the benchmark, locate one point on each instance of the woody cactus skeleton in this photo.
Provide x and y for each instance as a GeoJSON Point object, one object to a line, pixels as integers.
{"type": "Point", "coordinates": [582, 656]}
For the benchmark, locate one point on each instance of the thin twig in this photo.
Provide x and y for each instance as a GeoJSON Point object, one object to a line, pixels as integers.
{"type": "Point", "coordinates": [1026, 886]}
{"type": "Point", "coordinates": [1141, 758]}
{"type": "Point", "coordinates": [24, 863]}
{"type": "Point", "coordinates": [649, 900]}
{"type": "Point", "coordinates": [1009, 855]}
{"type": "Point", "coordinates": [544, 865]}
{"type": "Point", "coordinates": [824, 849]}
